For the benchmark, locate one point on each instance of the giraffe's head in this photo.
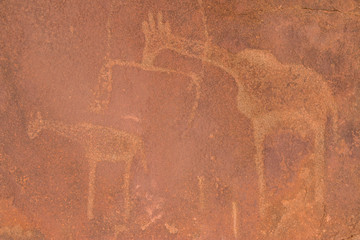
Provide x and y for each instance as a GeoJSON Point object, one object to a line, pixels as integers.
{"type": "Point", "coordinates": [35, 126]}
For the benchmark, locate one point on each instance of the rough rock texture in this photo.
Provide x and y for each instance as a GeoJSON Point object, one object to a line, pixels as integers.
{"type": "Point", "coordinates": [180, 119]}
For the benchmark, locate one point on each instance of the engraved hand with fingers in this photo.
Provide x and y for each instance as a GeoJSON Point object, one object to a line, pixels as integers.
{"type": "Point", "coordinates": [157, 36]}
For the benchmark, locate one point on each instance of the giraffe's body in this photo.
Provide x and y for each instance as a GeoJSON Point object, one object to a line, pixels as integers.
{"type": "Point", "coordinates": [100, 144]}
{"type": "Point", "coordinates": [106, 143]}
{"type": "Point", "coordinates": [267, 85]}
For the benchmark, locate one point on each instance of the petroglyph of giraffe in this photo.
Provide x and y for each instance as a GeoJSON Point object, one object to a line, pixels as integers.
{"type": "Point", "coordinates": [103, 91]}
{"type": "Point", "coordinates": [270, 94]}
{"type": "Point", "coordinates": [100, 144]}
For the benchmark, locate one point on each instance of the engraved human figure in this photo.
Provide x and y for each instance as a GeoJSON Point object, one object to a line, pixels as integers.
{"type": "Point", "coordinates": [100, 144]}
{"type": "Point", "coordinates": [270, 94]}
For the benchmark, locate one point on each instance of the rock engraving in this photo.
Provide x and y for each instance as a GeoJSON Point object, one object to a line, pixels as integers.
{"type": "Point", "coordinates": [100, 144]}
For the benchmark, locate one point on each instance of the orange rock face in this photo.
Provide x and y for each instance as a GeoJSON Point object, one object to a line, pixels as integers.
{"type": "Point", "coordinates": [191, 119]}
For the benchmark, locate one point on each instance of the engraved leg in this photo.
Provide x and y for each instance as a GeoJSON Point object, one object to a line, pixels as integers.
{"type": "Point", "coordinates": [234, 216]}
{"type": "Point", "coordinates": [259, 137]}
{"type": "Point", "coordinates": [262, 125]}
{"type": "Point", "coordinates": [319, 163]}
{"type": "Point", "coordinates": [201, 193]}
{"type": "Point", "coordinates": [143, 158]}
{"type": "Point", "coordinates": [126, 190]}
{"type": "Point", "coordinates": [318, 128]}
{"type": "Point", "coordinates": [91, 194]}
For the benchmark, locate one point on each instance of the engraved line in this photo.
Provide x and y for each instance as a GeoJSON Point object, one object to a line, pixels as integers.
{"type": "Point", "coordinates": [201, 192]}
{"type": "Point", "coordinates": [234, 216]}
{"type": "Point", "coordinates": [93, 139]}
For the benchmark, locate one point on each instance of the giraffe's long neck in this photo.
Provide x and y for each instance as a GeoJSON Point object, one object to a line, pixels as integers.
{"type": "Point", "coordinates": [220, 58]}
{"type": "Point", "coordinates": [73, 132]}
{"type": "Point", "coordinates": [204, 51]}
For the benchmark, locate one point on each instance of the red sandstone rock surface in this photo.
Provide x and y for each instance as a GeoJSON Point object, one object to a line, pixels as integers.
{"type": "Point", "coordinates": [191, 119]}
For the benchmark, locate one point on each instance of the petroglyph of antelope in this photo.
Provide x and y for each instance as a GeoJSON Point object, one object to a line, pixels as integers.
{"type": "Point", "coordinates": [270, 94]}
{"type": "Point", "coordinates": [103, 90]}
{"type": "Point", "coordinates": [100, 144]}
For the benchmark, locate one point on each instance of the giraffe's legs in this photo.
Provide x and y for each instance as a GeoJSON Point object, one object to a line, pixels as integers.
{"type": "Point", "coordinates": [91, 193]}
{"type": "Point", "coordinates": [143, 158]}
{"type": "Point", "coordinates": [262, 125]}
{"type": "Point", "coordinates": [126, 196]}
{"type": "Point", "coordinates": [126, 190]}
{"type": "Point", "coordinates": [259, 137]}
{"type": "Point", "coordinates": [260, 131]}
{"type": "Point", "coordinates": [318, 129]}
{"type": "Point", "coordinates": [302, 123]}
{"type": "Point", "coordinates": [319, 164]}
